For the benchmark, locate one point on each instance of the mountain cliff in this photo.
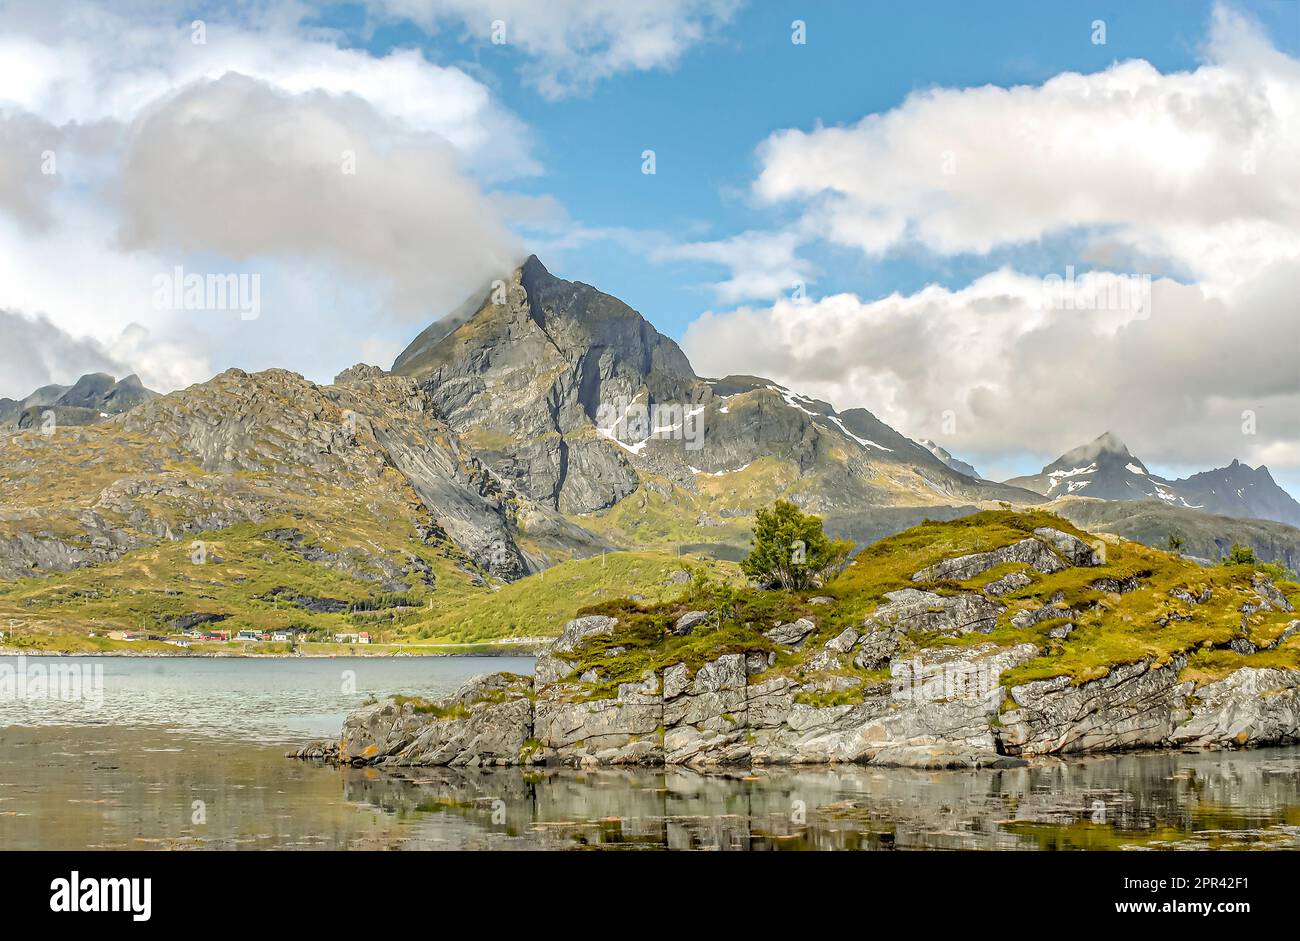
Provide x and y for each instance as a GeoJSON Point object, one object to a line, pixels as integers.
{"type": "Point", "coordinates": [578, 400]}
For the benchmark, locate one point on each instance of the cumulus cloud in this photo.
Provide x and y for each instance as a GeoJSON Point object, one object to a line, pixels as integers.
{"type": "Point", "coordinates": [37, 353]}
{"type": "Point", "coordinates": [28, 161]}
{"type": "Point", "coordinates": [573, 44]}
{"type": "Point", "coordinates": [240, 169]}
{"type": "Point", "coordinates": [1191, 173]}
{"type": "Point", "coordinates": [1196, 167]}
{"type": "Point", "coordinates": [231, 154]}
{"type": "Point", "coordinates": [1004, 366]}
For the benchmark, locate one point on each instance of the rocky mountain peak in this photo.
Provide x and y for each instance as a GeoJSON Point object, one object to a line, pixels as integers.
{"type": "Point", "coordinates": [1106, 448]}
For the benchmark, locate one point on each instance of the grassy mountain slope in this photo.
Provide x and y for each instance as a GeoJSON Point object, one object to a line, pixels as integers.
{"type": "Point", "coordinates": [1143, 621]}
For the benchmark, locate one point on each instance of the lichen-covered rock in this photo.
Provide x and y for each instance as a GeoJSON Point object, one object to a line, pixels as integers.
{"type": "Point", "coordinates": [705, 717]}
{"type": "Point", "coordinates": [375, 732]}
{"type": "Point", "coordinates": [1072, 548]}
{"type": "Point", "coordinates": [1269, 594]}
{"type": "Point", "coordinates": [623, 729]}
{"type": "Point", "coordinates": [910, 609]}
{"type": "Point", "coordinates": [487, 721]}
{"type": "Point", "coordinates": [1012, 581]}
{"type": "Point", "coordinates": [792, 634]}
{"type": "Point", "coordinates": [1031, 616]}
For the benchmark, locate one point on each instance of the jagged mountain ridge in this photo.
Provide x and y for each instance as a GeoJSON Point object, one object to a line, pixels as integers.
{"type": "Point", "coordinates": [1106, 469]}
{"type": "Point", "coordinates": [573, 395]}
{"type": "Point", "coordinates": [243, 449]}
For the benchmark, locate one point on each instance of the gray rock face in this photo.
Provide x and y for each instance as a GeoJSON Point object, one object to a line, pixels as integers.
{"type": "Point", "coordinates": [1012, 581]}
{"type": "Point", "coordinates": [1135, 706]}
{"type": "Point", "coordinates": [704, 721]}
{"type": "Point", "coordinates": [486, 722]}
{"type": "Point", "coordinates": [1246, 708]}
{"type": "Point", "coordinates": [528, 370]}
{"type": "Point", "coordinates": [489, 721]}
{"type": "Point", "coordinates": [910, 609]}
{"type": "Point", "coordinates": [792, 634]}
{"type": "Point", "coordinates": [1269, 594]}
{"type": "Point", "coordinates": [620, 730]}
{"type": "Point", "coordinates": [1032, 552]}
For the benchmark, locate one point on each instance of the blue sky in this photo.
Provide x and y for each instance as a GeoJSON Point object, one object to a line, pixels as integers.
{"type": "Point", "coordinates": [705, 117]}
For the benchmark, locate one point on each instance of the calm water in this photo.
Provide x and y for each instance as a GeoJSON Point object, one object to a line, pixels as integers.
{"type": "Point", "coordinates": [188, 753]}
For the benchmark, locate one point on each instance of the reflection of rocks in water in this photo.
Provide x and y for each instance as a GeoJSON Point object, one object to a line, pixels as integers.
{"type": "Point", "coordinates": [1155, 800]}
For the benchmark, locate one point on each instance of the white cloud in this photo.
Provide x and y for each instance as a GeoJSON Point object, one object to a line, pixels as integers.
{"type": "Point", "coordinates": [762, 264]}
{"type": "Point", "coordinates": [37, 353]}
{"type": "Point", "coordinates": [1192, 172]}
{"type": "Point", "coordinates": [228, 157]}
{"type": "Point", "coordinates": [1197, 167]}
{"type": "Point", "coordinates": [87, 62]}
{"type": "Point", "coordinates": [1016, 373]}
{"type": "Point", "coordinates": [239, 168]}
{"type": "Point", "coordinates": [573, 44]}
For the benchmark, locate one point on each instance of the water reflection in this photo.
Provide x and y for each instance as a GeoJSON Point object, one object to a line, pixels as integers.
{"type": "Point", "coordinates": [138, 788]}
{"type": "Point", "coordinates": [1183, 801]}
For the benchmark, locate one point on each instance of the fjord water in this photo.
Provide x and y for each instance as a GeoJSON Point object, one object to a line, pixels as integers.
{"type": "Point", "coordinates": [189, 753]}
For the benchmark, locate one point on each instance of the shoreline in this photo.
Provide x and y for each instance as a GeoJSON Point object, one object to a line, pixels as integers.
{"type": "Point", "coordinates": [222, 655]}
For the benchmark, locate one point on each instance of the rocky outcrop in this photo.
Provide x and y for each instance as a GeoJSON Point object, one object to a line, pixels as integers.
{"type": "Point", "coordinates": [881, 691]}
{"type": "Point", "coordinates": [942, 707]}
{"type": "Point", "coordinates": [1031, 552]}
{"type": "Point", "coordinates": [359, 372]}
{"type": "Point", "coordinates": [910, 609]}
{"type": "Point", "coordinates": [1246, 708]}
{"type": "Point", "coordinates": [486, 722]}
{"type": "Point", "coordinates": [1137, 705]}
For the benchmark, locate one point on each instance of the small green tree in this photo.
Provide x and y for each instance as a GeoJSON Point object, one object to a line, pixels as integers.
{"type": "Point", "coordinates": [791, 551]}
{"type": "Point", "coordinates": [1240, 555]}
{"type": "Point", "coordinates": [1175, 542]}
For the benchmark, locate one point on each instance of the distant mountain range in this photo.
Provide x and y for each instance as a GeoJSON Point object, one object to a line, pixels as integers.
{"type": "Point", "coordinates": [1105, 469]}
{"type": "Point", "coordinates": [93, 397]}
